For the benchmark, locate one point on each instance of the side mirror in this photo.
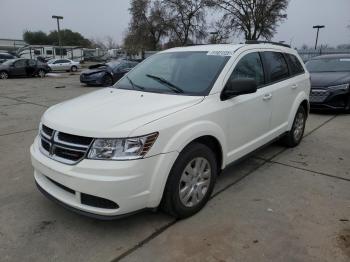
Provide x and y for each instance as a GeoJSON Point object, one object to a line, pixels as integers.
{"type": "Point", "coordinates": [239, 87]}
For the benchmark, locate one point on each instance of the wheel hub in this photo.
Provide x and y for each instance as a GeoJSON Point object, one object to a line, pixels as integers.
{"type": "Point", "coordinates": [194, 182]}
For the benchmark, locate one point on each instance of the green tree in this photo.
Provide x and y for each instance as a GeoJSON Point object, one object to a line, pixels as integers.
{"type": "Point", "coordinates": [36, 38]}
{"type": "Point", "coordinates": [68, 38]}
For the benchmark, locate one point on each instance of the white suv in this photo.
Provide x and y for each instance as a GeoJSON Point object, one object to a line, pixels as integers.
{"type": "Point", "coordinates": [163, 133]}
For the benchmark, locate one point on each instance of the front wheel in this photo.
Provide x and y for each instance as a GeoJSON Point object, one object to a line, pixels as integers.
{"type": "Point", "coordinates": [295, 135]}
{"type": "Point", "coordinates": [4, 75]}
{"type": "Point", "coordinates": [191, 181]}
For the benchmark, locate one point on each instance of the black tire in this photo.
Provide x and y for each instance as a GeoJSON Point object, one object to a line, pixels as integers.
{"type": "Point", "coordinates": [171, 201]}
{"type": "Point", "coordinates": [41, 73]}
{"type": "Point", "coordinates": [4, 75]}
{"type": "Point", "coordinates": [294, 136]}
{"type": "Point", "coordinates": [74, 69]}
{"type": "Point", "coordinates": [107, 80]}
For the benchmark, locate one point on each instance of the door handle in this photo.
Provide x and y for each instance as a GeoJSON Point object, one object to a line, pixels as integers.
{"type": "Point", "coordinates": [295, 86]}
{"type": "Point", "coordinates": [267, 97]}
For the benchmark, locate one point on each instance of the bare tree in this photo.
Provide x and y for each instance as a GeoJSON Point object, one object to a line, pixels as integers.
{"type": "Point", "coordinates": [304, 47]}
{"type": "Point", "coordinates": [111, 43]}
{"type": "Point", "coordinates": [254, 18]}
{"type": "Point", "coordinates": [148, 25]}
{"type": "Point", "coordinates": [187, 19]}
{"type": "Point", "coordinates": [97, 43]}
{"type": "Point", "coordinates": [220, 31]}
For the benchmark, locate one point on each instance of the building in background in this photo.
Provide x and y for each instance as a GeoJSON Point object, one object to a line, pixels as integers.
{"type": "Point", "coordinates": [11, 45]}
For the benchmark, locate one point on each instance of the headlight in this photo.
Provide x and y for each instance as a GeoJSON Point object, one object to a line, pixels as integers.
{"type": "Point", "coordinates": [121, 148]}
{"type": "Point", "coordinates": [99, 74]}
{"type": "Point", "coordinates": [340, 87]}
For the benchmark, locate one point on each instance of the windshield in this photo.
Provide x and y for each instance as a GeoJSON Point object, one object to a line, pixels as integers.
{"type": "Point", "coordinates": [329, 65]}
{"type": "Point", "coordinates": [113, 65]}
{"type": "Point", "coordinates": [8, 62]}
{"type": "Point", "coordinates": [187, 73]}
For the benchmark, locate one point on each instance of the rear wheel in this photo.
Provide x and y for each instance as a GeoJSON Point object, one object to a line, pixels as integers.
{"type": "Point", "coordinates": [107, 80]}
{"type": "Point", "coordinates": [4, 75]}
{"type": "Point", "coordinates": [295, 135]}
{"type": "Point", "coordinates": [41, 73]}
{"type": "Point", "coordinates": [191, 181]}
{"type": "Point", "coordinates": [73, 69]}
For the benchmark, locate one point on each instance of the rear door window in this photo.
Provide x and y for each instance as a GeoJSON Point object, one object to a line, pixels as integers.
{"type": "Point", "coordinates": [296, 67]}
{"type": "Point", "coordinates": [21, 63]}
{"type": "Point", "coordinates": [276, 65]}
{"type": "Point", "coordinates": [32, 62]}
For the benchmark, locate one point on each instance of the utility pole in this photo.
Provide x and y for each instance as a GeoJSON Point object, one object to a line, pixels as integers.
{"type": "Point", "coordinates": [58, 18]}
{"type": "Point", "coordinates": [318, 27]}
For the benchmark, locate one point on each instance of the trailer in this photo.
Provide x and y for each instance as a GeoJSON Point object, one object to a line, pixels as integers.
{"type": "Point", "coordinates": [48, 52]}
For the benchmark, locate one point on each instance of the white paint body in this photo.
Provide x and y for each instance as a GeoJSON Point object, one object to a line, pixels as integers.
{"type": "Point", "coordinates": [241, 125]}
{"type": "Point", "coordinates": [63, 65]}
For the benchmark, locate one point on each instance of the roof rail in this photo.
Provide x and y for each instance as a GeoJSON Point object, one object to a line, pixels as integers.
{"type": "Point", "coordinates": [253, 42]}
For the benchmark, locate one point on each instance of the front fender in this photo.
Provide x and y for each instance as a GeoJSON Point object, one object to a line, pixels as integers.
{"type": "Point", "coordinates": [176, 143]}
{"type": "Point", "coordinates": [193, 131]}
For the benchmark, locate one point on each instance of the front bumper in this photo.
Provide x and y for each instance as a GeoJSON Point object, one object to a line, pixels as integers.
{"type": "Point", "coordinates": [323, 98]}
{"type": "Point", "coordinates": [130, 185]}
{"type": "Point", "coordinates": [90, 81]}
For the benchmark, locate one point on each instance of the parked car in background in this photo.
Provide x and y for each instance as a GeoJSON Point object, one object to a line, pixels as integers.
{"type": "Point", "coordinates": [63, 65]}
{"type": "Point", "coordinates": [23, 67]}
{"type": "Point", "coordinates": [106, 74]}
{"type": "Point", "coordinates": [6, 56]}
{"type": "Point", "coordinates": [330, 82]}
{"type": "Point", "coordinates": [163, 133]}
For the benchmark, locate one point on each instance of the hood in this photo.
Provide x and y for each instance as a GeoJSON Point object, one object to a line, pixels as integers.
{"type": "Point", "coordinates": [113, 112]}
{"type": "Point", "coordinates": [2, 66]}
{"type": "Point", "coordinates": [95, 70]}
{"type": "Point", "coordinates": [326, 79]}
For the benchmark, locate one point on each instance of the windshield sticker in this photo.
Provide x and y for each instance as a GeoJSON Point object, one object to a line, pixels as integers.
{"type": "Point", "coordinates": [221, 53]}
{"type": "Point", "coordinates": [345, 60]}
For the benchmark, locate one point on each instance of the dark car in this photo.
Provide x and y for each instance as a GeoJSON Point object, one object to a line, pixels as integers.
{"type": "Point", "coordinates": [330, 81]}
{"type": "Point", "coordinates": [106, 74]}
{"type": "Point", "coordinates": [23, 67]}
{"type": "Point", "coordinates": [5, 56]}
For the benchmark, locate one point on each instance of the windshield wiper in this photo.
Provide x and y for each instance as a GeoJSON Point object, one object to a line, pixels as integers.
{"type": "Point", "coordinates": [173, 87]}
{"type": "Point", "coordinates": [133, 85]}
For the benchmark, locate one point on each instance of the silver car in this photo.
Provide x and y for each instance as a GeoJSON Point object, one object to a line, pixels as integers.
{"type": "Point", "coordinates": [63, 65]}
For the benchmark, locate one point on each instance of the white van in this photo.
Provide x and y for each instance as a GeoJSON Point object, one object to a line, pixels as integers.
{"type": "Point", "coordinates": [163, 133]}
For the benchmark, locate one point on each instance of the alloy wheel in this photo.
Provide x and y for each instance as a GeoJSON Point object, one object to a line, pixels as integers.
{"type": "Point", "coordinates": [4, 75]}
{"type": "Point", "coordinates": [194, 182]}
{"type": "Point", "coordinates": [299, 126]}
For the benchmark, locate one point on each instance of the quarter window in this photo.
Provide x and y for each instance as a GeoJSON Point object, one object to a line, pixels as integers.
{"type": "Point", "coordinates": [31, 62]}
{"type": "Point", "coordinates": [249, 66]}
{"type": "Point", "coordinates": [296, 67]}
{"type": "Point", "coordinates": [276, 65]}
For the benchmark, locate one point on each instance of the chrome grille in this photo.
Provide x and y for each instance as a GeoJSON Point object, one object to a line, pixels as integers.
{"type": "Point", "coordinates": [62, 147]}
{"type": "Point", "coordinates": [318, 95]}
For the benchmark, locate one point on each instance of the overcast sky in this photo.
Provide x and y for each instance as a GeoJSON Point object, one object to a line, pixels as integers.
{"type": "Point", "coordinates": [97, 19]}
